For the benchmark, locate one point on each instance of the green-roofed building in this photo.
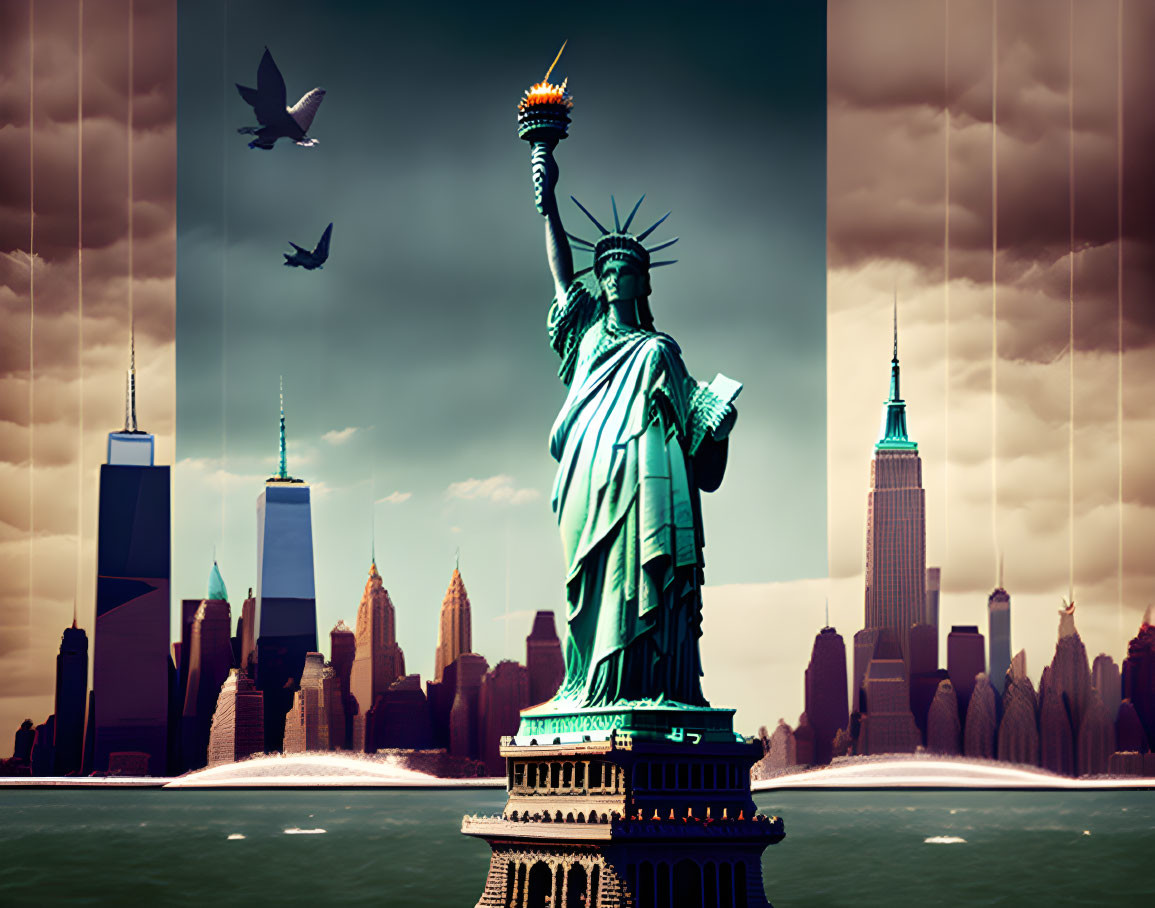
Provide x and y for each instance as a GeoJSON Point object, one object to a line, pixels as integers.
{"type": "Point", "coordinates": [895, 522]}
{"type": "Point", "coordinates": [217, 585]}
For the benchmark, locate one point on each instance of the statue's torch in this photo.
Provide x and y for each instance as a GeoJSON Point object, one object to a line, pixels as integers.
{"type": "Point", "coordinates": [543, 112]}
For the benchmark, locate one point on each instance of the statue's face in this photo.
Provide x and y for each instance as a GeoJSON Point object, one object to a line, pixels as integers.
{"type": "Point", "coordinates": [623, 280]}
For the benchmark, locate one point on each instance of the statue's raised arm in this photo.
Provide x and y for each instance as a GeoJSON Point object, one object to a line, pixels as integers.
{"type": "Point", "coordinates": [557, 250]}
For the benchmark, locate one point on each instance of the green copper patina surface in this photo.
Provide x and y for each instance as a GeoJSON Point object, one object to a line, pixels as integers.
{"type": "Point", "coordinates": [217, 585]}
{"type": "Point", "coordinates": [636, 441]}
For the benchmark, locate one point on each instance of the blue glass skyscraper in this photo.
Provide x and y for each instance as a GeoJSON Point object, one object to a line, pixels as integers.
{"type": "Point", "coordinates": [286, 613]}
{"type": "Point", "coordinates": [133, 570]}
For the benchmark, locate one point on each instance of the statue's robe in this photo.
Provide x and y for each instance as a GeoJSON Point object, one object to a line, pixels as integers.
{"type": "Point", "coordinates": [634, 430]}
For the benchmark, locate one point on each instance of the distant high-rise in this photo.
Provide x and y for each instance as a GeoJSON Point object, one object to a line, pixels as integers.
{"type": "Point", "coordinates": [307, 725]}
{"type": "Point", "coordinates": [1069, 672]}
{"type": "Point", "coordinates": [999, 613]}
{"type": "Point", "coordinates": [131, 637]}
{"type": "Point", "coordinates": [1018, 738]}
{"type": "Point", "coordinates": [543, 659]}
{"type": "Point", "coordinates": [895, 523]}
{"type": "Point", "coordinates": [455, 631]}
{"type": "Point", "coordinates": [1095, 740]}
{"type": "Point", "coordinates": [825, 683]}
{"type": "Point", "coordinates": [1106, 679]}
{"type": "Point", "coordinates": [981, 721]}
{"type": "Point", "coordinates": [400, 718]}
{"type": "Point", "coordinates": [210, 658]}
{"type": "Point", "coordinates": [1139, 675]}
{"type": "Point", "coordinates": [286, 612]}
{"type": "Point", "coordinates": [464, 726]}
{"type": "Point", "coordinates": [504, 694]}
{"type": "Point", "coordinates": [933, 591]}
{"type": "Point", "coordinates": [342, 652]}
{"type": "Point", "coordinates": [965, 658]}
{"type": "Point", "coordinates": [943, 730]}
{"type": "Point", "coordinates": [888, 725]}
{"type": "Point", "coordinates": [238, 728]}
{"type": "Point", "coordinates": [1056, 737]}
{"type": "Point", "coordinates": [379, 660]}
{"type": "Point", "coordinates": [71, 699]}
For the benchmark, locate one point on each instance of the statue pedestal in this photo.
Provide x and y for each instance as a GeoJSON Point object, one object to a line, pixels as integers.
{"type": "Point", "coordinates": [654, 817]}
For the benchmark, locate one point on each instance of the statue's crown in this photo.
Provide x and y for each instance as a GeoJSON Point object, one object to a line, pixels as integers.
{"type": "Point", "coordinates": [619, 244]}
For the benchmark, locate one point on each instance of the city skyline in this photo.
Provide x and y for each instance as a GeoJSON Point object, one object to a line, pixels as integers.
{"type": "Point", "coordinates": [866, 111]}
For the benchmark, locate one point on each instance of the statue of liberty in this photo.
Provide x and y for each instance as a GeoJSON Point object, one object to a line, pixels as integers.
{"type": "Point", "coordinates": [636, 441]}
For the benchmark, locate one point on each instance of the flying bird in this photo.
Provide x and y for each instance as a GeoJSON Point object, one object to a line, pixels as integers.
{"type": "Point", "coordinates": [310, 261]}
{"type": "Point", "coordinates": [277, 120]}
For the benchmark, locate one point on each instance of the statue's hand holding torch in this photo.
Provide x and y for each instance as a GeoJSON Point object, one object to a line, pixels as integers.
{"type": "Point", "coordinates": [543, 121]}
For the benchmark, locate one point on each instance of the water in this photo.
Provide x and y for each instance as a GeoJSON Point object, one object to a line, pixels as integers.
{"type": "Point", "coordinates": [403, 848]}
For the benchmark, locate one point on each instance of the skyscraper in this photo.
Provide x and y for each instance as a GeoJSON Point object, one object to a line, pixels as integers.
{"type": "Point", "coordinates": [999, 611]}
{"type": "Point", "coordinates": [342, 651]}
{"type": "Point", "coordinates": [895, 523]}
{"type": "Point", "coordinates": [455, 632]}
{"type": "Point", "coordinates": [933, 591]}
{"type": "Point", "coordinates": [379, 660]}
{"type": "Point", "coordinates": [209, 661]}
{"type": "Point", "coordinates": [965, 658]}
{"type": "Point", "coordinates": [286, 612]}
{"type": "Point", "coordinates": [71, 698]}
{"type": "Point", "coordinates": [131, 638]}
{"type": "Point", "coordinates": [543, 658]}
{"type": "Point", "coordinates": [825, 682]}
{"type": "Point", "coordinates": [238, 728]}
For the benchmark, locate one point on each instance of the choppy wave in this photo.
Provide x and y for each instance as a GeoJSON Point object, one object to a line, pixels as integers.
{"type": "Point", "coordinates": [320, 770]}
{"type": "Point", "coordinates": [293, 830]}
{"type": "Point", "coordinates": [944, 840]}
{"type": "Point", "coordinates": [937, 772]}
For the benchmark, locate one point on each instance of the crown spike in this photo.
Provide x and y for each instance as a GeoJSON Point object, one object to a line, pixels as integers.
{"type": "Point", "coordinates": [617, 223]}
{"type": "Point", "coordinates": [630, 219]}
{"type": "Point", "coordinates": [579, 240]}
{"type": "Point", "coordinates": [660, 246]}
{"type": "Point", "coordinates": [660, 264]}
{"type": "Point", "coordinates": [578, 274]}
{"type": "Point", "coordinates": [643, 235]}
{"type": "Point", "coordinates": [590, 216]}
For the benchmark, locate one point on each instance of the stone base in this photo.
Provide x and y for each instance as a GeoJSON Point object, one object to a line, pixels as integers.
{"type": "Point", "coordinates": [627, 821]}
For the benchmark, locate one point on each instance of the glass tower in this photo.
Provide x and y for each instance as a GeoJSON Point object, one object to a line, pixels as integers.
{"type": "Point", "coordinates": [286, 610]}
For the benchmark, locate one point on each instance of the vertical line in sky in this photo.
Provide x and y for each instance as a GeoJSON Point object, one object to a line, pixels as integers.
{"type": "Point", "coordinates": [31, 292]}
{"type": "Point", "coordinates": [224, 263]}
{"type": "Point", "coordinates": [1071, 300]}
{"type": "Point", "coordinates": [80, 285]}
{"type": "Point", "coordinates": [946, 283]}
{"type": "Point", "coordinates": [131, 90]}
{"type": "Point", "coordinates": [1119, 295]}
{"type": "Point", "coordinates": [994, 281]}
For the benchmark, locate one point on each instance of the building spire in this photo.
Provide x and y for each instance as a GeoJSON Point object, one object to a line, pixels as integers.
{"type": "Point", "coordinates": [282, 462]}
{"type": "Point", "coordinates": [827, 611]}
{"type": "Point", "coordinates": [130, 383]}
{"type": "Point", "coordinates": [894, 437]}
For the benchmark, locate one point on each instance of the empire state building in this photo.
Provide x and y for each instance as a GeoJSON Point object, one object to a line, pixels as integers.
{"type": "Point", "coordinates": [895, 523]}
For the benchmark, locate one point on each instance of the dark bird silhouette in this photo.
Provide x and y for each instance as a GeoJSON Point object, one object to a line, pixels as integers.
{"type": "Point", "coordinates": [310, 261]}
{"type": "Point", "coordinates": [277, 120]}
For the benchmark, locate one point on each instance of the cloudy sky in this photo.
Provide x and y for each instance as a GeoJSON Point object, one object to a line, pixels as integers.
{"type": "Point", "coordinates": [997, 455]}
{"type": "Point", "coordinates": [70, 390]}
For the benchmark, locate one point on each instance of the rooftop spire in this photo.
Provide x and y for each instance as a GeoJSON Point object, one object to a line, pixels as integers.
{"type": "Point", "coordinates": [282, 463]}
{"type": "Point", "coordinates": [130, 384]}
{"type": "Point", "coordinates": [894, 437]}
